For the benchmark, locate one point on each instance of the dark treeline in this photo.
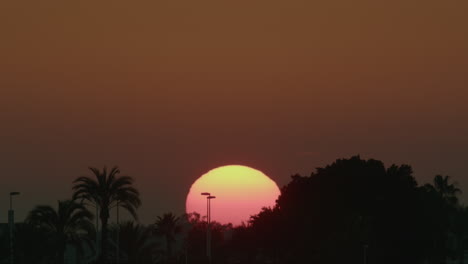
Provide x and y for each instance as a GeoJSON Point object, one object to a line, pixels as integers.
{"type": "Point", "coordinates": [352, 211]}
{"type": "Point", "coordinates": [358, 211]}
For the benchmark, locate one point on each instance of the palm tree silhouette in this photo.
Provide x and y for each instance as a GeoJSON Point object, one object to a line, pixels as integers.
{"type": "Point", "coordinates": [448, 191]}
{"type": "Point", "coordinates": [106, 191]}
{"type": "Point", "coordinates": [69, 225]}
{"type": "Point", "coordinates": [168, 226]}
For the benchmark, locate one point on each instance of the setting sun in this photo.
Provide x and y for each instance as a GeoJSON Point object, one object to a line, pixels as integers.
{"type": "Point", "coordinates": [240, 192]}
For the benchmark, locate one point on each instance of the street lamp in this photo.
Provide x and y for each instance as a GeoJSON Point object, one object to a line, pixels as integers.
{"type": "Point", "coordinates": [208, 219]}
{"type": "Point", "coordinates": [11, 223]}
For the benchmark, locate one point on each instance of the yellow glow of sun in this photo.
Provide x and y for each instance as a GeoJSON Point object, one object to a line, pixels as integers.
{"type": "Point", "coordinates": [240, 192]}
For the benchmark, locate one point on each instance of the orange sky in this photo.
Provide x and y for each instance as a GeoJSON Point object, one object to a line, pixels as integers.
{"type": "Point", "coordinates": [170, 89]}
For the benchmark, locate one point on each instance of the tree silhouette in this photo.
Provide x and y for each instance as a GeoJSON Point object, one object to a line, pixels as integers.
{"type": "Point", "coordinates": [343, 208]}
{"type": "Point", "coordinates": [448, 191]}
{"type": "Point", "coordinates": [70, 224]}
{"type": "Point", "coordinates": [136, 242]}
{"type": "Point", "coordinates": [106, 190]}
{"type": "Point", "coordinates": [168, 226]}
{"type": "Point", "coordinates": [444, 214]}
{"type": "Point", "coordinates": [346, 212]}
{"type": "Point", "coordinates": [262, 224]}
{"type": "Point", "coordinates": [195, 240]}
{"type": "Point", "coordinates": [32, 245]}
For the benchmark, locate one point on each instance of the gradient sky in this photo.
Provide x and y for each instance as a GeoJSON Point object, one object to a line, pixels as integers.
{"type": "Point", "coordinates": [170, 89]}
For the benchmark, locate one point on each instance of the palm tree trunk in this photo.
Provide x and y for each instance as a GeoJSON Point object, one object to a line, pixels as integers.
{"type": "Point", "coordinates": [104, 234]}
{"type": "Point", "coordinates": [168, 247]}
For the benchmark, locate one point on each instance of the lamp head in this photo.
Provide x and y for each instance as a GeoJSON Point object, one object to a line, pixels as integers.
{"type": "Point", "coordinates": [211, 197]}
{"type": "Point", "coordinates": [14, 193]}
{"type": "Point", "coordinates": [205, 193]}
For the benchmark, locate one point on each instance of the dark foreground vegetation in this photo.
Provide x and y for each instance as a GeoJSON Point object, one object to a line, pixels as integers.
{"type": "Point", "coordinates": [352, 211]}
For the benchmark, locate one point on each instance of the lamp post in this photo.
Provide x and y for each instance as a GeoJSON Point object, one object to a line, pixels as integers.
{"type": "Point", "coordinates": [11, 223]}
{"type": "Point", "coordinates": [208, 228]}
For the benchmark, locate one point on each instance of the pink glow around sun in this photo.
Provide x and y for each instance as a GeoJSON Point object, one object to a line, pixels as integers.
{"type": "Point", "coordinates": [240, 192]}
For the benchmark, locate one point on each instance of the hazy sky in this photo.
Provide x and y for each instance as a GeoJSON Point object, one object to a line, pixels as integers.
{"type": "Point", "coordinates": [170, 89]}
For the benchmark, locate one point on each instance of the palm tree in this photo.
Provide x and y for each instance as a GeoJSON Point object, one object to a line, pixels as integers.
{"type": "Point", "coordinates": [107, 190]}
{"type": "Point", "coordinates": [444, 204]}
{"type": "Point", "coordinates": [448, 191]}
{"type": "Point", "coordinates": [168, 226]}
{"type": "Point", "coordinates": [69, 225]}
{"type": "Point", "coordinates": [136, 242]}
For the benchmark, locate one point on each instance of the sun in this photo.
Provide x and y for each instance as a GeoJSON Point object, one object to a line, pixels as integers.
{"type": "Point", "coordinates": [240, 192]}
